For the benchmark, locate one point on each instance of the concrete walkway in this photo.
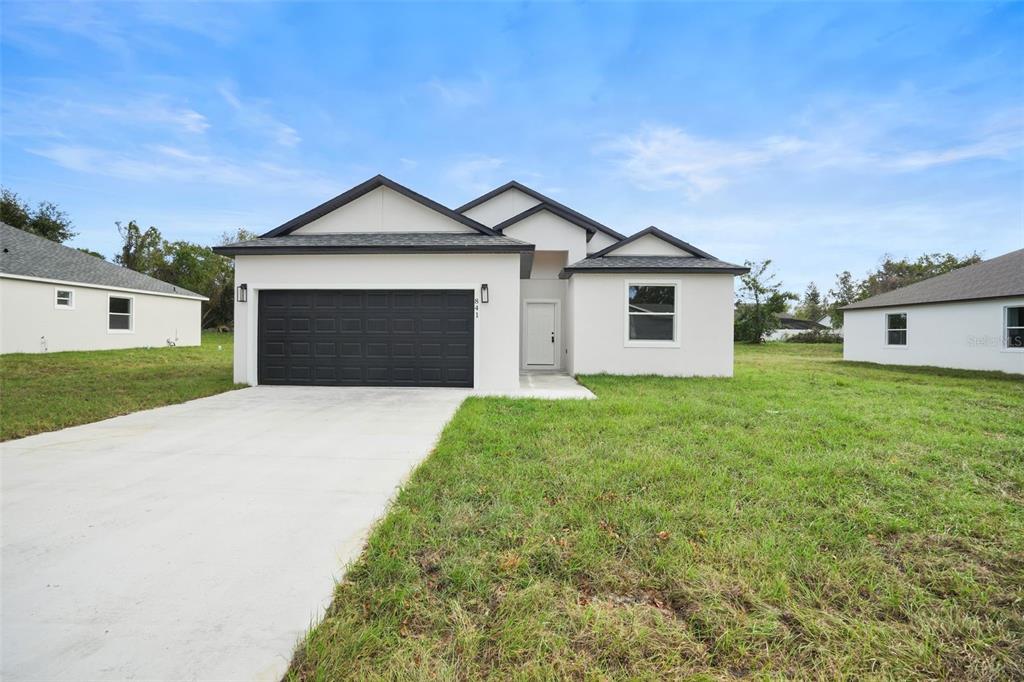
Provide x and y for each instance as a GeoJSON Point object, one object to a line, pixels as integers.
{"type": "Point", "coordinates": [197, 541]}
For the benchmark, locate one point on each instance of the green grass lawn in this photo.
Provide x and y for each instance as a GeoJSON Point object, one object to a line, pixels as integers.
{"type": "Point", "coordinates": [806, 519]}
{"type": "Point", "coordinates": [44, 392]}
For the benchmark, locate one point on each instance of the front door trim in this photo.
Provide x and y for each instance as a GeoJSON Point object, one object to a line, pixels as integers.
{"type": "Point", "coordinates": [524, 339]}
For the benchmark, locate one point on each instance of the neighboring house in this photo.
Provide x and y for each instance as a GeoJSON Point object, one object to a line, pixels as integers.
{"type": "Point", "coordinates": [383, 286]}
{"type": "Point", "coordinates": [55, 298]}
{"type": "Point", "coordinates": [790, 325]}
{"type": "Point", "coordinates": [970, 318]}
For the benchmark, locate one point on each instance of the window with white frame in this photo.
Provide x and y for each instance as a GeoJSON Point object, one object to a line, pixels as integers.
{"type": "Point", "coordinates": [896, 329]}
{"type": "Point", "coordinates": [119, 314]}
{"type": "Point", "coordinates": [64, 298]}
{"type": "Point", "coordinates": [651, 312]}
{"type": "Point", "coordinates": [1015, 327]}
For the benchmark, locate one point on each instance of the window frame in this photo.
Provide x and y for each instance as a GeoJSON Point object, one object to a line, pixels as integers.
{"type": "Point", "coordinates": [130, 313]}
{"type": "Point", "coordinates": [1006, 330]}
{"type": "Point", "coordinates": [56, 298]}
{"type": "Point", "coordinates": [905, 330]}
{"type": "Point", "coordinates": [676, 285]}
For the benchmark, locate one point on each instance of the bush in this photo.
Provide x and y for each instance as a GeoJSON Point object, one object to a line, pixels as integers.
{"type": "Point", "coordinates": [814, 337]}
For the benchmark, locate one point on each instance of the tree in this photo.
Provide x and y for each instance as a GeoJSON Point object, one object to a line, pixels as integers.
{"type": "Point", "coordinates": [46, 220]}
{"type": "Point", "coordinates": [140, 251]}
{"type": "Point", "coordinates": [191, 266]}
{"type": "Point", "coordinates": [812, 306]}
{"type": "Point", "coordinates": [761, 300]}
{"type": "Point", "coordinates": [846, 291]}
{"type": "Point", "coordinates": [92, 253]}
{"type": "Point", "coordinates": [895, 274]}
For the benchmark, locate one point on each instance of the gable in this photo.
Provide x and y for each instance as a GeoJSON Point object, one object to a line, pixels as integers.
{"type": "Point", "coordinates": [599, 241]}
{"type": "Point", "coordinates": [382, 210]}
{"type": "Point", "coordinates": [548, 232]}
{"type": "Point", "coordinates": [649, 245]}
{"type": "Point", "coordinates": [501, 207]}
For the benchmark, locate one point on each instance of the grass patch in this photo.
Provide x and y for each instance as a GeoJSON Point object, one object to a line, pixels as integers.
{"type": "Point", "coordinates": [49, 391]}
{"type": "Point", "coordinates": [807, 519]}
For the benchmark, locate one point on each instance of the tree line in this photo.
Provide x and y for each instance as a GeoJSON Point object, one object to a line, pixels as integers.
{"type": "Point", "coordinates": [185, 264]}
{"type": "Point", "coordinates": [762, 298]}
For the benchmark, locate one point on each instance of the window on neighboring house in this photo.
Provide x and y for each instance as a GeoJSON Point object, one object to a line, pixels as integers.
{"type": "Point", "coordinates": [1015, 327]}
{"type": "Point", "coordinates": [896, 329]}
{"type": "Point", "coordinates": [65, 298]}
{"type": "Point", "coordinates": [119, 314]}
{"type": "Point", "coordinates": [651, 312]}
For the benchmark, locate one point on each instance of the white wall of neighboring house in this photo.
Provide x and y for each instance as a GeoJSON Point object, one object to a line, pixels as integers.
{"type": "Point", "coordinates": [964, 335]}
{"type": "Point", "coordinates": [33, 323]}
{"type": "Point", "coordinates": [383, 210]}
{"type": "Point", "coordinates": [496, 333]}
{"type": "Point", "coordinates": [498, 209]}
{"type": "Point", "coordinates": [704, 326]}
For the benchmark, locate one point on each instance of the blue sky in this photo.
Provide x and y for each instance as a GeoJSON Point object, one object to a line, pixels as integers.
{"type": "Point", "coordinates": [821, 136]}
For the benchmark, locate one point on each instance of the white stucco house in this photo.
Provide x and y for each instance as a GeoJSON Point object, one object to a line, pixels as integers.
{"type": "Point", "coordinates": [55, 298]}
{"type": "Point", "coordinates": [791, 325]}
{"type": "Point", "coordinates": [383, 286]}
{"type": "Point", "coordinates": [970, 318]}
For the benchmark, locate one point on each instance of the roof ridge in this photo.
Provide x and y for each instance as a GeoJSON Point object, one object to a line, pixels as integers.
{"type": "Point", "coordinates": [366, 187]}
{"type": "Point", "coordinates": [515, 184]}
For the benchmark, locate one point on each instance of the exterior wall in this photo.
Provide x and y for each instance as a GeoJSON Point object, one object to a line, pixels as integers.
{"type": "Point", "coordinates": [649, 245]}
{"type": "Point", "coordinates": [496, 334]}
{"type": "Point", "coordinates": [383, 210]}
{"type": "Point", "coordinates": [600, 241]}
{"type": "Point", "coordinates": [502, 207]}
{"type": "Point", "coordinates": [548, 232]}
{"type": "Point", "coordinates": [597, 339]}
{"type": "Point", "coordinates": [968, 335]}
{"type": "Point", "coordinates": [28, 312]}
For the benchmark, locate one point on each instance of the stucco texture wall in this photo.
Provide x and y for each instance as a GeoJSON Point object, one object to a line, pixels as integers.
{"type": "Point", "coordinates": [496, 346]}
{"type": "Point", "coordinates": [598, 334]}
{"type": "Point", "coordinates": [28, 314]}
{"type": "Point", "coordinates": [966, 335]}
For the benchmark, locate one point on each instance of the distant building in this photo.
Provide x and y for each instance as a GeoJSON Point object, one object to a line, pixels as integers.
{"type": "Point", "coordinates": [55, 298]}
{"type": "Point", "coordinates": [790, 325]}
{"type": "Point", "coordinates": [971, 318]}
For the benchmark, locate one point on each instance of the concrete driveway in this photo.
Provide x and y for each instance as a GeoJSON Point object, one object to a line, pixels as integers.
{"type": "Point", "coordinates": [197, 541]}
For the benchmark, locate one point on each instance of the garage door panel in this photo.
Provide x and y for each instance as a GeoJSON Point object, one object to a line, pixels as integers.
{"type": "Point", "coordinates": [375, 338]}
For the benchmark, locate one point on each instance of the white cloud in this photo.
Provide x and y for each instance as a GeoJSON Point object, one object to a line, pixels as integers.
{"type": "Point", "coordinates": [476, 173]}
{"type": "Point", "coordinates": [253, 115]}
{"type": "Point", "coordinates": [666, 157]}
{"type": "Point", "coordinates": [164, 163]}
{"type": "Point", "coordinates": [458, 94]}
{"type": "Point", "coordinates": [661, 157]}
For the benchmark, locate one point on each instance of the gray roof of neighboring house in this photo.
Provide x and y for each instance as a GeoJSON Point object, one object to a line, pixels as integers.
{"type": "Point", "coordinates": [693, 264]}
{"type": "Point", "coordinates": [377, 242]}
{"type": "Point", "coordinates": [998, 277]}
{"type": "Point", "coordinates": [793, 322]}
{"type": "Point", "coordinates": [26, 255]}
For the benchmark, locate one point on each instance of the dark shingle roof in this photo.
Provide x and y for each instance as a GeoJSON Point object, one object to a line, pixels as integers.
{"type": "Point", "coordinates": [998, 277]}
{"type": "Point", "coordinates": [541, 198]}
{"type": "Point", "coordinates": [376, 242]}
{"type": "Point", "coordinates": [26, 255]}
{"type": "Point", "coordinates": [654, 264]}
{"type": "Point", "coordinates": [793, 322]}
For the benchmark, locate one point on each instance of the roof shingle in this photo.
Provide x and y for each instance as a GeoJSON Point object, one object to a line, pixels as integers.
{"type": "Point", "coordinates": [998, 277]}
{"type": "Point", "coordinates": [655, 264]}
{"type": "Point", "coordinates": [26, 255]}
{"type": "Point", "coordinates": [376, 242]}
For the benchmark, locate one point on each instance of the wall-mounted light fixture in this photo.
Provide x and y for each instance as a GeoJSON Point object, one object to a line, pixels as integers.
{"type": "Point", "coordinates": [483, 293]}
{"type": "Point", "coordinates": [242, 293]}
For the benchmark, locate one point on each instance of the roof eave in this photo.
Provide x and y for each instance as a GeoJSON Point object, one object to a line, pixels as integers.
{"type": "Point", "coordinates": [568, 272]}
{"type": "Point", "coordinates": [309, 250]}
{"type": "Point", "coordinates": [876, 306]}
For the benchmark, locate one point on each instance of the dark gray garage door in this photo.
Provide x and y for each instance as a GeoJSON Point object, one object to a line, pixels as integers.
{"type": "Point", "coordinates": [366, 338]}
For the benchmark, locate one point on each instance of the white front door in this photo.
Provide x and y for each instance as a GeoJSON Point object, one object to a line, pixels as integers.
{"type": "Point", "coordinates": [540, 334]}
